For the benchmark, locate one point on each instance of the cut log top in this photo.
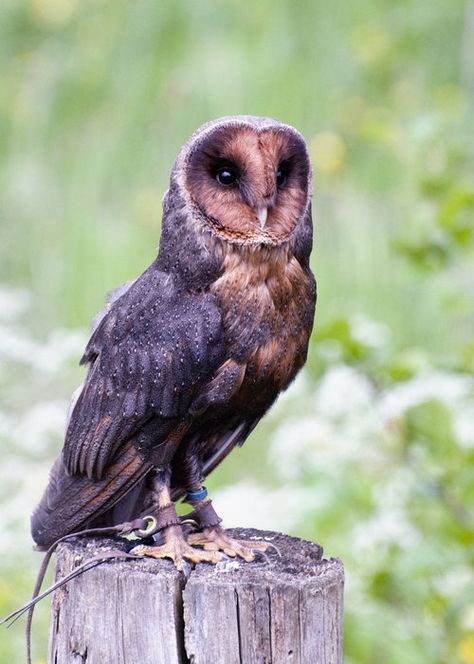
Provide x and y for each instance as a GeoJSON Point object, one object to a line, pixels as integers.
{"type": "Point", "coordinates": [286, 606]}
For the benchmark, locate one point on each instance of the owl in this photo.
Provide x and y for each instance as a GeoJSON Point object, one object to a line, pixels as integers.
{"type": "Point", "coordinates": [187, 359]}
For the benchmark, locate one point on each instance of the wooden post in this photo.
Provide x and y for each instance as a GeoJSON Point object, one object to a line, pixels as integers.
{"type": "Point", "coordinates": [284, 607]}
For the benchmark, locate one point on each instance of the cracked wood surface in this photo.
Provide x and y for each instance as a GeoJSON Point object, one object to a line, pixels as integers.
{"type": "Point", "coordinates": [284, 607]}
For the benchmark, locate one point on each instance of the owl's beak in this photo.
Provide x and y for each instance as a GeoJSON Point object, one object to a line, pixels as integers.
{"type": "Point", "coordinates": [262, 216]}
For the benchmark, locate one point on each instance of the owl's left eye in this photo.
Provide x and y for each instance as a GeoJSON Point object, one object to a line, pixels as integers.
{"type": "Point", "coordinates": [282, 173]}
{"type": "Point", "coordinates": [226, 175]}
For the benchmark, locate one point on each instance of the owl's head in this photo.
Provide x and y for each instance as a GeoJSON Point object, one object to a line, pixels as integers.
{"type": "Point", "coordinates": [248, 179]}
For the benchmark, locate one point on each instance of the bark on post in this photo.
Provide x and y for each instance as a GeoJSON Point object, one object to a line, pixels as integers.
{"type": "Point", "coordinates": [286, 607]}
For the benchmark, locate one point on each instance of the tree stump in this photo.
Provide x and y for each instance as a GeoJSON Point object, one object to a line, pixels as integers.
{"type": "Point", "coordinates": [283, 607]}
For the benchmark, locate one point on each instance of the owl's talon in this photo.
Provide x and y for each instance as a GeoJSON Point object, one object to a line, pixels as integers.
{"type": "Point", "coordinates": [215, 538]}
{"type": "Point", "coordinates": [176, 548]}
{"type": "Point", "coordinates": [263, 555]}
{"type": "Point", "coordinates": [270, 545]}
{"type": "Point", "coordinates": [254, 545]}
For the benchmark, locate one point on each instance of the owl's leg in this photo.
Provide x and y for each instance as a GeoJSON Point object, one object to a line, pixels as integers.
{"type": "Point", "coordinates": [211, 536]}
{"type": "Point", "coordinates": [175, 545]}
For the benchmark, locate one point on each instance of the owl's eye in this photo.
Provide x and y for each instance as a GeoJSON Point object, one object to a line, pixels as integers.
{"type": "Point", "coordinates": [226, 175]}
{"type": "Point", "coordinates": [282, 173]}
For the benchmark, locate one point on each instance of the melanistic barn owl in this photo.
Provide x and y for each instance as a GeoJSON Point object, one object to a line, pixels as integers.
{"type": "Point", "coordinates": [188, 358]}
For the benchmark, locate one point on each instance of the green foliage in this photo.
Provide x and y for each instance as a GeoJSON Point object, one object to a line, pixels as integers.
{"type": "Point", "coordinates": [443, 230]}
{"type": "Point", "coordinates": [373, 453]}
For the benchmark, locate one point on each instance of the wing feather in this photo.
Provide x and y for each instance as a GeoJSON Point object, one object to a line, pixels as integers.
{"type": "Point", "coordinates": [147, 357]}
{"type": "Point", "coordinates": [70, 503]}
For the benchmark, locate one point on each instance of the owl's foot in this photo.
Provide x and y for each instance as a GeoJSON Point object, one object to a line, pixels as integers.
{"type": "Point", "coordinates": [176, 548]}
{"type": "Point", "coordinates": [214, 538]}
{"type": "Point", "coordinates": [211, 536]}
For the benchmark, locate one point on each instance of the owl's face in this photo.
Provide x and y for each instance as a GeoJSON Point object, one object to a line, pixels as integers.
{"type": "Point", "coordinates": [249, 182]}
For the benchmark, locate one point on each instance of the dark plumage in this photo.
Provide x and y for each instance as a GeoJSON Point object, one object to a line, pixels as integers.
{"type": "Point", "coordinates": [187, 358]}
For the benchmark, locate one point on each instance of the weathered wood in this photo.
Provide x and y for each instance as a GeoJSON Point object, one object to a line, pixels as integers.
{"type": "Point", "coordinates": [284, 607]}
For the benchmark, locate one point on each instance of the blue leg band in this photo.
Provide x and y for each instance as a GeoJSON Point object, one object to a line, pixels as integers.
{"type": "Point", "coordinates": [194, 496]}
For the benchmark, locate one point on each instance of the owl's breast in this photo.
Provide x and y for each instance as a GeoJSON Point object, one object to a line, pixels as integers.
{"type": "Point", "coordinates": [267, 299]}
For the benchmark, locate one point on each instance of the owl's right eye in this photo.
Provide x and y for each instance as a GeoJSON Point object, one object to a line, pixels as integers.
{"type": "Point", "coordinates": [226, 175]}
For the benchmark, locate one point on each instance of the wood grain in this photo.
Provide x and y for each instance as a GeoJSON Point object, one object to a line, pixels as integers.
{"type": "Point", "coordinates": [284, 607]}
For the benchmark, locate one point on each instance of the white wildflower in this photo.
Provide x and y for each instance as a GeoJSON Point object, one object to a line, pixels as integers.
{"type": "Point", "coordinates": [395, 490]}
{"type": "Point", "coordinates": [369, 332]}
{"type": "Point", "coordinates": [260, 507]}
{"type": "Point", "coordinates": [454, 581]}
{"type": "Point", "coordinates": [61, 347]}
{"type": "Point", "coordinates": [467, 621]}
{"type": "Point", "coordinates": [447, 388]}
{"type": "Point", "coordinates": [463, 424]}
{"type": "Point", "coordinates": [343, 390]}
{"type": "Point", "coordinates": [13, 302]}
{"type": "Point", "coordinates": [342, 425]}
{"type": "Point", "coordinates": [17, 346]}
{"type": "Point", "coordinates": [386, 528]}
{"type": "Point", "coordinates": [42, 425]}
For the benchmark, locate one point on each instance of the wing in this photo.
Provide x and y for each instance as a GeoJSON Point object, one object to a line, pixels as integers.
{"type": "Point", "coordinates": [148, 356]}
{"type": "Point", "coordinates": [71, 502]}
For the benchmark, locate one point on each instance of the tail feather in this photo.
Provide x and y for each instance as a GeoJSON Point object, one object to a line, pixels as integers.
{"type": "Point", "coordinates": [71, 502]}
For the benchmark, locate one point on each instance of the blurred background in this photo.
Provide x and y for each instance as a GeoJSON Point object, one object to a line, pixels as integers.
{"type": "Point", "coordinates": [371, 451]}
